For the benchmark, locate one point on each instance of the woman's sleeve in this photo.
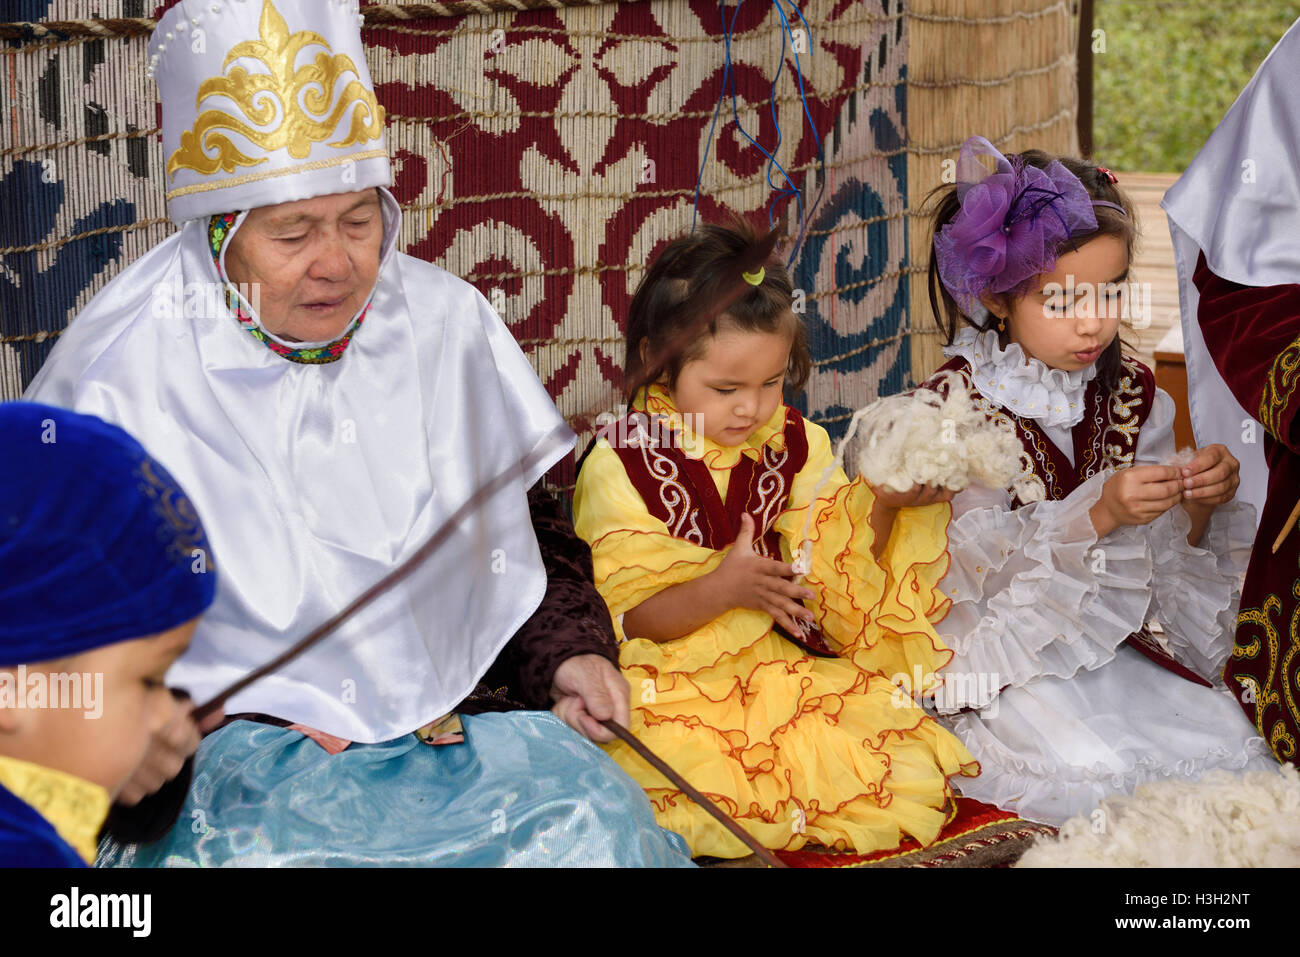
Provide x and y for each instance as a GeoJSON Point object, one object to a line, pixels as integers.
{"type": "Point", "coordinates": [878, 613]}
{"type": "Point", "coordinates": [1034, 592]}
{"type": "Point", "coordinates": [1197, 587]}
{"type": "Point", "coordinates": [571, 620]}
{"type": "Point", "coordinates": [1253, 334]}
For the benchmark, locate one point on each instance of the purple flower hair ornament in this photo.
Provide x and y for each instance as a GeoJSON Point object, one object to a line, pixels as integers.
{"type": "Point", "coordinates": [1011, 223]}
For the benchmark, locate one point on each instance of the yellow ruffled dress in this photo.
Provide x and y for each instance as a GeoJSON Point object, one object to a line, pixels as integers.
{"type": "Point", "coordinates": [797, 748]}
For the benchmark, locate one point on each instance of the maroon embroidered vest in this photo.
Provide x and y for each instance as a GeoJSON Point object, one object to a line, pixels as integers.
{"type": "Point", "coordinates": [679, 490]}
{"type": "Point", "coordinates": [1105, 436]}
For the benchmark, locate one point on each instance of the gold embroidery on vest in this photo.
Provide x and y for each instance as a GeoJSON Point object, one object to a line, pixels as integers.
{"type": "Point", "coordinates": [1088, 467]}
{"type": "Point", "coordinates": [1122, 419]}
{"type": "Point", "coordinates": [300, 95]}
{"type": "Point", "coordinates": [1044, 459]}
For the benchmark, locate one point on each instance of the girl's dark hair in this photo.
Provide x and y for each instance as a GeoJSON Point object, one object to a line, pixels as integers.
{"type": "Point", "coordinates": [688, 268]}
{"type": "Point", "coordinates": [1110, 222]}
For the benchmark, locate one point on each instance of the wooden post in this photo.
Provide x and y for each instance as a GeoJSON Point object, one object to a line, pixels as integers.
{"type": "Point", "coordinates": [1084, 56]}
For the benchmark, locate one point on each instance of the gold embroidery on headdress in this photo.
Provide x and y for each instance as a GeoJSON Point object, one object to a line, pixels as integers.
{"type": "Point", "coordinates": [301, 96]}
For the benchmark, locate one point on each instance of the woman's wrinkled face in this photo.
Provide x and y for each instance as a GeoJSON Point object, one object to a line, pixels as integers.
{"type": "Point", "coordinates": [314, 261]}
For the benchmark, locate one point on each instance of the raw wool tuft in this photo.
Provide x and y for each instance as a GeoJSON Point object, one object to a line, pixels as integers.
{"type": "Point", "coordinates": [1182, 458]}
{"type": "Point", "coordinates": [927, 438]}
{"type": "Point", "coordinates": [1222, 820]}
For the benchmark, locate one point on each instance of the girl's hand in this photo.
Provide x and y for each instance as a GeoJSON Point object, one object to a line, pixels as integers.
{"type": "Point", "coordinates": [751, 581]}
{"type": "Point", "coordinates": [1136, 496]}
{"type": "Point", "coordinates": [885, 509]}
{"type": "Point", "coordinates": [1211, 478]}
{"type": "Point", "coordinates": [917, 496]}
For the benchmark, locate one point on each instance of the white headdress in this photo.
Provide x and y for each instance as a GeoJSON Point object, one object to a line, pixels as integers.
{"type": "Point", "coordinates": [265, 103]}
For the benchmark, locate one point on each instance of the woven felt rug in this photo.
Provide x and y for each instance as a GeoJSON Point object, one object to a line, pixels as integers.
{"type": "Point", "coordinates": [980, 835]}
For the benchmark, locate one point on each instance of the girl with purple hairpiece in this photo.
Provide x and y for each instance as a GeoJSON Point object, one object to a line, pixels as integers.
{"type": "Point", "coordinates": [1062, 687]}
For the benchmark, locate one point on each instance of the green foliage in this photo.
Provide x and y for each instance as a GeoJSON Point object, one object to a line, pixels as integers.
{"type": "Point", "coordinates": [1170, 70]}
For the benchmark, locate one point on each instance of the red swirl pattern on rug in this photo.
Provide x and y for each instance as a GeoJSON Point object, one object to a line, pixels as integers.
{"type": "Point", "coordinates": [562, 153]}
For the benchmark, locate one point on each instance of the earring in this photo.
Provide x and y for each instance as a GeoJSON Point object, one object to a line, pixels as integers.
{"type": "Point", "coordinates": [1002, 325]}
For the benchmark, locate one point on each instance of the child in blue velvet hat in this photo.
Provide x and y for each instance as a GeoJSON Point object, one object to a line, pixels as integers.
{"type": "Point", "coordinates": [104, 570]}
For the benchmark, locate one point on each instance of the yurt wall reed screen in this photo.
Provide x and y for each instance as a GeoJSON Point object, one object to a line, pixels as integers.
{"type": "Point", "coordinates": [546, 154]}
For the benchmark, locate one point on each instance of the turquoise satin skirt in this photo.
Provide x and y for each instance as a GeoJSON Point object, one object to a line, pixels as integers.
{"type": "Point", "coordinates": [523, 790]}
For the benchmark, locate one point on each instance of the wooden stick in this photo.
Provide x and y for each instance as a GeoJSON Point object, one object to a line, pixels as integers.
{"type": "Point", "coordinates": [766, 856]}
{"type": "Point", "coordinates": [1286, 529]}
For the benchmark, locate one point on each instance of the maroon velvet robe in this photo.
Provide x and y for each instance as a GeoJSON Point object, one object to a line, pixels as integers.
{"type": "Point", "coordinates": [1253, 334]}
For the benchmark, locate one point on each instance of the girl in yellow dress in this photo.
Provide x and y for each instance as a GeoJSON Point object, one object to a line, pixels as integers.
{"type": "Point", "coordinates": [784, 697]}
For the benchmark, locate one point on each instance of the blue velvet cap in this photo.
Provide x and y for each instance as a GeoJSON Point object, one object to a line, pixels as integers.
{"type": "Point", "coordinates": [98, 543]}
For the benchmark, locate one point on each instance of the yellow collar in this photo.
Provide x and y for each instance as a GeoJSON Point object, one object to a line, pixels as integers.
{"type": "Point", "coordinates": [770, 434]}
{"type": "Point", "coordinates": [75, 807]}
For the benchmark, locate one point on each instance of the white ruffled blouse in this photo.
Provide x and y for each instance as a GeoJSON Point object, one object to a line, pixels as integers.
{"type": "Point", "coordinates": [1027, 387]}
{"type": "Point", "coordinates": [1035, 592]}
{"type": "Point", "coordinates": [1042, 607]}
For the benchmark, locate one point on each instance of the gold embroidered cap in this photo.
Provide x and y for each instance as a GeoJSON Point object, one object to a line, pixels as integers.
{"type": "Point", "coordinates": [265, 102]}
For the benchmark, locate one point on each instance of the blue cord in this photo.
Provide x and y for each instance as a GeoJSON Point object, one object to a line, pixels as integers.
{"type": "Point", "coordinates": [735, 113]}
{"type": "Point", "coordinates": [729, 85]}
{"type": "Point", "coordinates": [821, 150]}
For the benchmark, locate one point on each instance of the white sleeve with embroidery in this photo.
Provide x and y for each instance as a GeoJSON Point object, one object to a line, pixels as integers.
{"type": "Point", "coordinates": [1035, 592]}
{"type": "Point", "coordinates": [1197, 587]}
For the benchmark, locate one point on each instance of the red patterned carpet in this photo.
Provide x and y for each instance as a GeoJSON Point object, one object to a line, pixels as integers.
{"type": "Point", "coordinates": [979, 835]}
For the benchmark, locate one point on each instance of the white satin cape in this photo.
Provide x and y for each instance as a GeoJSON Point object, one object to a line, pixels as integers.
{"type": "Point", "coordinates": [313, 481]}
{"type": "Point", "coordinates": [1239, 203]}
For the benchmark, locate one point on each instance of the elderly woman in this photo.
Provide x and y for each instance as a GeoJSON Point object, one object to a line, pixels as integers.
{"type": "Point", "coordinates": [329, 409]}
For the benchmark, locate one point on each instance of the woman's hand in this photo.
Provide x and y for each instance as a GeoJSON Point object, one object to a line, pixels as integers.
{"type": "Point", "coordinates": [588, 689]}
{"type": "Point", "coordinates": [748, 580]}
{"type": "Point", "coordinates": [169, 748]}
{"type": "Point", "coordinates": [1136, 496]}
